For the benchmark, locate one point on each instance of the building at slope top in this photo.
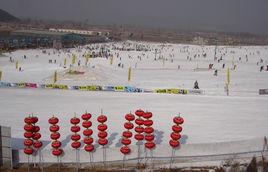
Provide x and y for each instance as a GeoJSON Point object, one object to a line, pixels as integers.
{"type": "Point", "coordinates": [35, 38]}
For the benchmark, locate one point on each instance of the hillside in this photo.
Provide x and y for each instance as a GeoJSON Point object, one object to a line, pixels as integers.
{"type": "Point", "coordinates": [6, 17]}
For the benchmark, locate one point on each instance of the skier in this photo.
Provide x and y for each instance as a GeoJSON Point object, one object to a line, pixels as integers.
{"type": "Point", "coordinates": [261, 68]}
{"type": "Point", "coordinates": [196, 85]}
{"type": "Point", "coordinates": [216, 72]}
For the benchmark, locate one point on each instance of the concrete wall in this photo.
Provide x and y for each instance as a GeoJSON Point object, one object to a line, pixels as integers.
{"type": "Point", "coordinates": [5, 147]}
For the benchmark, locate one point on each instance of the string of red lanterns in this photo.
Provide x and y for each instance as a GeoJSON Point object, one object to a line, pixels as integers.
{"type": "Point", "coordinates": [88, 140]}
{"type": "Point", "coordinates": [36, 136]}
{"type": "Point", "coordinates": [149, 133]}
{"type": "Point", "coordinates": [55, 135]}
{"type": "Point", "coordinates": [102, 134]}
{"type": "Point", "coordinates": [126, 136]}
{"type": "Point", "coordinates": [139, 130]}
{"type": "Point", "coordinates": [28, 135]}
{"type": "Point", "coordinates": [75, 138]}
{"type": "Point", "coordinates": [175, 135]}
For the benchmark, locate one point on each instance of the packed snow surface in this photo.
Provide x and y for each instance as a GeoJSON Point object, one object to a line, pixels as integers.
{"type": "Point", "coordinates": [209, 118]}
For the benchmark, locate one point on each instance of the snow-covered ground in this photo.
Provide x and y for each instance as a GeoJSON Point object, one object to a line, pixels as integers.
{"type": "Point", "coordinates": [209, 118]}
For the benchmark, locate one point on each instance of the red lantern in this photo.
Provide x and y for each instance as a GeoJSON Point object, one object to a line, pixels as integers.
{"type": "Point", "coordinates": [86, 116]}
{"type": "Point", "coordinates": [75, 137]}
{"type": "Point", "coordinates": [139, 137]}
{"type": "Point", "coordinates": [28, 128]}
{"type": "Point", "coordinates": [37, 144]}
{"type": "Point", "coordinates": [88, 140]}
{"type": "Point", "coordinates": [102, 141]}
{"type": "Point", "coordinates": [87, 124]}
{"type": "Point", "coordinates": [53, 120]}
{"type": "Point", "coordinates": [125, 150]}
{"type": "Point", "coordinates": [129, 117]}
{"type": "Point", "coordinates": [178, 120]}
{"type": "Point", "coordinates": [75, 121]}
{"type": "Point", "coordinates": [176, 128]}
{"type": "Point", "coordinates": [150, 145]}
{"type": "Point", "coordinates": [148, 130]}
{"type": "Point", "coordinates": [28, 150]}
{"type": "Point", "coordinates": [76, 145]}
{"type": "Point", "coordinates": [57, 152]}
{"type": "Point", "coordinates": [28, 142]}
{"type": "Point", "coordinates": [102, 127]}
{"type": "Point", "coordinates": [128, 125]}
{"type": "Point", "coordinates": [36, 136]}
{"type": "Point", "coordinates": [34, 119]}
{"type": "Point", "coordinates": [127, 134]}
{"type": "Point", "coordinates": [54, 128]}
{"type": "Point", "coordinates": [175, 136]}
{"type": "Point", "coordinates": [102, 118]}
{"type": "Point", "coordinates": [55, 136]}
{"type": "Point", "coordinates": [139, 112]}
{"type": "Point", "coordinates": [174, 143]}
{"type": "Point", "coordinates": [87, 132]}
{"type": "Point", "coordinates": [75, 129]}
{"type": "Point", "coordinates": [147, 115]}
{"type": "Point", "coordinates": [139, 129]}
{"type": "Point", "coordinates": [28, 135]}
{"type": "Point", "coordinates": [149, 137]}
{"type": "Point", "coordinates": [56, 144]}
{"type": "Point", "coordinates": [28, 120]}
{"type": "Point", "coordinates": [102, 134]}
{"type": "Point", "coordinates": [139, 121]}
{"type": "Point", "coordinates": [89, 148]}
{"type": "Point", "coordinates": [126, 141]}
{"type": "Point", "coordinates": [148, 122]}
{"type": "Point", "coordinates": [36, 129]}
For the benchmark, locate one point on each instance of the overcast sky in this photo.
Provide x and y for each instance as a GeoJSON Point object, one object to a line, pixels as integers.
{"type": "Point", "coordinates": [219, 15]}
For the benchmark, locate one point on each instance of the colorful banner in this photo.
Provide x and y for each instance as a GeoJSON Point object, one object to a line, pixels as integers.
{"type": "Point", "coordinates": [172, 91]}
{"type": "Point", "coordinates": [128, 89]}
{"type": "Point", "coordinates": [119, 88]}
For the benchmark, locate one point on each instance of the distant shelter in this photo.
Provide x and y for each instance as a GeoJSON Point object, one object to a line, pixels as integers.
{"type": "Point", "coordinates": [46, 39]}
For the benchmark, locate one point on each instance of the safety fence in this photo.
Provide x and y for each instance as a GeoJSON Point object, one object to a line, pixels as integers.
{"type": "Point", "coordinates": [224, 151]}
{"type": "Point", "coordinates": [128, 89]}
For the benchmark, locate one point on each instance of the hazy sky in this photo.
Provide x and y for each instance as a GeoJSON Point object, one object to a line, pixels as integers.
{"type": "Point", "coordinates": [220, 15]}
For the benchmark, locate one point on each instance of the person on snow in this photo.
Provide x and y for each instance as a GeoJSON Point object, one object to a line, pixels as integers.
{"type": "Point", "coordinates": [261, 68]}
{"type": "Point", "coordinates": [216, 72]}
{"type": "Point", "coordinates": [196, 85]}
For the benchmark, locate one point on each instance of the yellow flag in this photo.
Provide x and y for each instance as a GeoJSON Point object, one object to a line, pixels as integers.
{"type": "Point", "coordinates": [74, 59]}
{"type": "Point", "coordinates": [65, 62]}
{"type": "Point", "coordinates": [0, 75]}
{"type": "Point", "coordinates": [129, 73]}
{"type": "Point", "coordinates": [55, 77]}
{"type": "Point", "coordinates": [17, 64]}
{"type": "Point", "coordinates": [111, 60]}
{"type": "Point", "coordinates": [228, 76]}
{"type": "Point", "coordinates": [87, 58]}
